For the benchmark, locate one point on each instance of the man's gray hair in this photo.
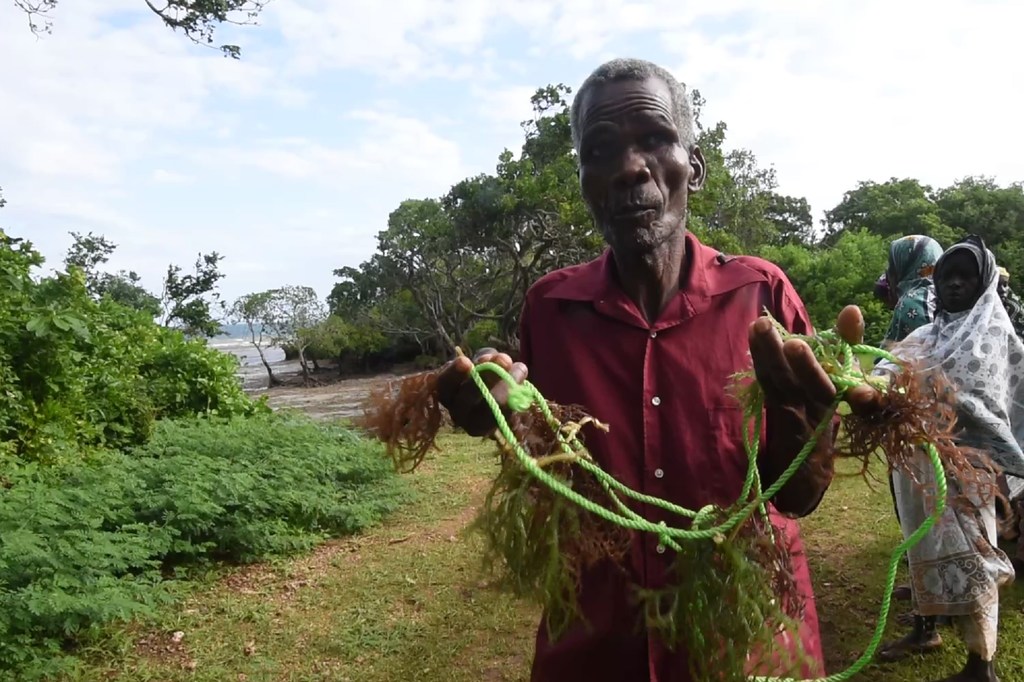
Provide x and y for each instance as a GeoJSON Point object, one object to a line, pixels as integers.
{"type": "Point", "coordinates": [638, 70]}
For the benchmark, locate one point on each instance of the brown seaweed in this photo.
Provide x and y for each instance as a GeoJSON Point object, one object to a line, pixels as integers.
{"type": "Point", "coordinates": [538, 542]}
{"type": "Point", "coordinates": [739, 618]}
{"type": "Point", "coordinates": [918, 408]}
{"type": "Point", "coordinates": [406, 416]}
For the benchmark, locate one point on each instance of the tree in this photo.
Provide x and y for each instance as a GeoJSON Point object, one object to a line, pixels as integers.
{"type": "Point", "coordinates": [978, 205]}
{"type": "Point", "coordinates": [829, 278]}
{"type": "Point", "coordinates": [289, 316]}
{"type": "Point", "coordinates": [446, 279]}
{"type": "Point", "coordinates": [973, 205]}
{"type": "Point", "coordinates": [90, 251]}
{"type": "Point", "coordinates": [294, 314]}
{"type": "Point", "coordinates": [188, 302]}
{"type": "Point", "coordinates": [87, 253]}
{"type": "Point", "coordinates": [890, 209]}
{"type": "Point", "coordinates": [792, 219]}
{"type": "Point", "coordinates": [197, 19]}
{"type": "Point", "coordinates": [252, 310]}
{"type": "Point", "coordinates": [454, 271]}
{"type": "Point", "coordinates": [738, 209]}
{"type": "Point", "coordinates": [529, 217]}
{"type": "Point", "coordinates": [81, 372]}
{"type": "Point", "coordinates": [125, 288]}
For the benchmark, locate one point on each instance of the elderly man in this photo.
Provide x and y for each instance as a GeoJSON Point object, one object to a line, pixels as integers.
{"type": "Point", "coordinates": [646, 338]}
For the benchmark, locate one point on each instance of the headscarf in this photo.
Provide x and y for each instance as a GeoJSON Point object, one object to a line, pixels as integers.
{"type": "Point", "coordinates": [912, 261]}
{"type": "Point", "coordinates": [982, 355]}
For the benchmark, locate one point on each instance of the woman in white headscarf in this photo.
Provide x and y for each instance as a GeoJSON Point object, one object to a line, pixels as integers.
{"type": "Point", "coordinates": [957, 569]}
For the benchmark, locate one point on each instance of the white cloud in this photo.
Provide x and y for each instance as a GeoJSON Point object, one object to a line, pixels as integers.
{"type": "Point", "coordinates": [832, 97]}
{"type": "Point", "coordinates": [395, 148]}
{"type": "Point", "coordinates": [166, 177]}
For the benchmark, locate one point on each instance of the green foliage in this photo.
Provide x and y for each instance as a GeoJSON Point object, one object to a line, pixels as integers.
{"type": "Point", "coordinates": [186, 377]}
{"type": "Point", "coordinates": [80, 373]}
{"type": "Point", "coordinates": [190, 301]}
{"type": "Point", "coordinates": [481, 335]}
{"type": "Point", "coordinates": [982, 207]}
{"type": "Point", "coordinates": [455, 270]}
{"type": "Point", "coordinates": [829, 278]}
{"type": "Point", "coordinates": [197, 19]}
{"type": "Point", "coordinates": [890, 209]}
{"type": "Point", "coordinates": [971, 206]}
{"type": "Point", "coordinates": [91, 543]}
{"type": "Point", "coordinates": [88, 253]}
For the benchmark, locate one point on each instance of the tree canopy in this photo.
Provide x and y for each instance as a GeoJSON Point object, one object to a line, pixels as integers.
{"type": "Point", "coordinates": [453, 270]}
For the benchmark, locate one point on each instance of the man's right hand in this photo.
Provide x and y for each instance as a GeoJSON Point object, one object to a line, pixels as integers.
{"type": "Point", "coordinates": [461, 397]}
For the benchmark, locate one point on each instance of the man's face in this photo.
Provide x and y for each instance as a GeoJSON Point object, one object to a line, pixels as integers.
{"type": "Point", "coordinates": [634, 173]}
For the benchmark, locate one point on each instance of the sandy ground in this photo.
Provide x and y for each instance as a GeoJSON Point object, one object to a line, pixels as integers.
{"type": "Point", "coordinates": [334, 401]}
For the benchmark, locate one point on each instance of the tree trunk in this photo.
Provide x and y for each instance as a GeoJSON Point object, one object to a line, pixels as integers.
{"type": "Point", "coordinates": [305, 367]}
{"type": "Point", "coordinates": [271, 379]}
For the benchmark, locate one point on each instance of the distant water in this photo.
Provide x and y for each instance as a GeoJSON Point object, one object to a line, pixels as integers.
{"type": "Point", "coordinates": [245, 351]}
{"type": "Point", "coordinates": [236, 342]}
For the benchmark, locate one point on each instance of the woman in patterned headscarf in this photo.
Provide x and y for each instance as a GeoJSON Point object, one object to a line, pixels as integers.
{"type": "Point", "coordinates": [909, 277]}
{"type": "Point", "coordinates": [957, 569]}
{"type": "Point", "coordinates": [907, 288]}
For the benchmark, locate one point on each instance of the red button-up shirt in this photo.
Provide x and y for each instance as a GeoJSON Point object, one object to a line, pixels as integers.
{"type": "Point", "coordinates": [674, 431]}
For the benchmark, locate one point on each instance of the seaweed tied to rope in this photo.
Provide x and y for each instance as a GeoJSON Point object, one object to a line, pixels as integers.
{"type": "Point", "coordinates": [729, 598]}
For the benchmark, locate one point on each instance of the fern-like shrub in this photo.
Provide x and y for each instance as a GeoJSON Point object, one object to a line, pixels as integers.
{"type": "Point", "coordinates": [91, 542]}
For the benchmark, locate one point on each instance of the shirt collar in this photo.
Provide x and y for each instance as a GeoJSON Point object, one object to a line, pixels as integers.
{"type": "Point", "coordinates": [705, 278]}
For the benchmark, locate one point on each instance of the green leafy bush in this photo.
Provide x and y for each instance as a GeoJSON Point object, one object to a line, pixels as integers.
{"type": "Point", "coordinates": [91, 542]}
{"type": "Point", "coordinates": [79, 374]}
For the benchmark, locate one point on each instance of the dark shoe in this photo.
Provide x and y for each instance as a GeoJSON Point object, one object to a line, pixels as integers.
{"type": "Point", "coordinates": [902, 593]}
{"type": "Point", "coordinates": [923, 639]}
{"type": "Point", "coordinates": [976, 670]}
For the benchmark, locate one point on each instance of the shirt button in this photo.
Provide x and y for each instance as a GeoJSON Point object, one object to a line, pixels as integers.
{"type": "Point", "coordinates": [660, 549]}
{"type": "Point", "coordinates": [655, 401]}
{"type": "Point", "coordinates": [658, 473]}
{"type": "Point", "coordinates": [654, 335]}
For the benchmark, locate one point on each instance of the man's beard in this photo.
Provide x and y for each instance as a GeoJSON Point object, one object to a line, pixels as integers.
{"type": "Point", "coordinates": [644, 238]}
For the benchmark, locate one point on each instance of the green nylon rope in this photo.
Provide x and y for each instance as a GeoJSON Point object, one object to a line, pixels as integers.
{"type": "Point", "coordinates": [844, 376]}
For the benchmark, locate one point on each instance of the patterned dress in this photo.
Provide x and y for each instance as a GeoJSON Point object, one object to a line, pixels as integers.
{"type": "Point", "coordinates": [957, 569]}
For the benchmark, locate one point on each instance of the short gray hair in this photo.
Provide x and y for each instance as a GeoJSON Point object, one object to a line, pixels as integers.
{"type": "Point", "coordinates": [638, 70]}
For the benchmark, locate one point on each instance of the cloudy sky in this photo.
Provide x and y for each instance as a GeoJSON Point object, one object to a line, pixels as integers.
{"type": "Point", "coordinates": [289, 161]}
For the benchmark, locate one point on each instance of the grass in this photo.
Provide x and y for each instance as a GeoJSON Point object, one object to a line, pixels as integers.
{"type": "Point", "coordinates": [405, 601]}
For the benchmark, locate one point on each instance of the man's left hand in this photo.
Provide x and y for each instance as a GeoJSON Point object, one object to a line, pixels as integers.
{"type": "Point", "coordinates": [798, 394]}
{"type": "Point", "coordinates": [790, 375]}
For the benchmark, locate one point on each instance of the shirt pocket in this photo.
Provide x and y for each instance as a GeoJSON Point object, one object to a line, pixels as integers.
{"type": "Point", "coordinates": [726, 428]}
